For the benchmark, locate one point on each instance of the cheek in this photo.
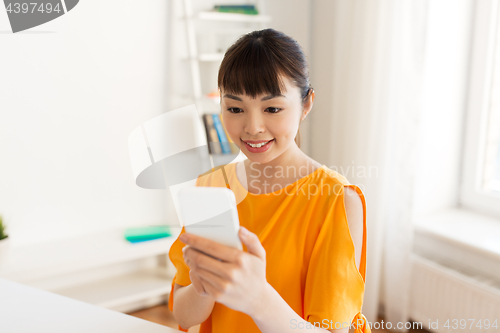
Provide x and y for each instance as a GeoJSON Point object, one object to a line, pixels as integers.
{"type": "Point", "coordinates": [232, 127]}
{"type": "Point", "coordinates": [284, 128]}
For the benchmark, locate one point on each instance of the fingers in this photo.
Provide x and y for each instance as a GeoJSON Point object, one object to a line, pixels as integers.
{"type": "Point", "coordinates": [223, 252]}
{"type": "Point", "coordinates": [199, 260]}
{"type": "Point", "coordinates": [252, 242]}
{"type": "Point", "coordinates": [213, 284]}
{"type": "Point", "coordinates": [198, 286]}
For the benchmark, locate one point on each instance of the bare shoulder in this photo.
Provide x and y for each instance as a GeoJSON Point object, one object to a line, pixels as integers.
{"type": "Point", "coordinates": [354, 213]}
{"type": "Point", "coordinates": [177, 287]}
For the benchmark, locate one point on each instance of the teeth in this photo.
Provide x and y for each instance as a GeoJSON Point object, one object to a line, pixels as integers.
{"type": "Point", "coordinates": [258, 145]}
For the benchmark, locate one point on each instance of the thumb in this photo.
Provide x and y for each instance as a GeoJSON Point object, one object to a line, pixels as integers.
{"type": "Point", "coordinates": [252, 243]}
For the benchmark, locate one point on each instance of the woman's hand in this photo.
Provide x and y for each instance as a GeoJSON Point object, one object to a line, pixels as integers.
{"type": "Point", "coordinates": [231, 277]}
{"type": "Point", "coordinates": [196, 282]}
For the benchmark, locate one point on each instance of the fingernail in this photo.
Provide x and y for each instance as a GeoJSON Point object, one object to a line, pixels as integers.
{"type": "Point", "coordinates": [245, 231]}
{"type": "Point", "coordinates": [183, 237]}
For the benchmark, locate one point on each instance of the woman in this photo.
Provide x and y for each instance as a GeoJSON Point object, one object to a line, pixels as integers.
{"type": "Point", "coordinates": [302, 224]}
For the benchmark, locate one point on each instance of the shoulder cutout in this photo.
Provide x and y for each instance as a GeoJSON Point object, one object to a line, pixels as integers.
{"type": "Point", "coordinates": [354, 213]}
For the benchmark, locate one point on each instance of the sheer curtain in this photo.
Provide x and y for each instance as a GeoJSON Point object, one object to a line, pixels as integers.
{"type": "Point", "coordinates": [367, 71]}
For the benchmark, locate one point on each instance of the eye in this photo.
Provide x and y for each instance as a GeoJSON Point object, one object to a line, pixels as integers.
{"type": "Point", "coordinates": [273, 110]}
{"type": "Point", "coordinates": [234, 110]}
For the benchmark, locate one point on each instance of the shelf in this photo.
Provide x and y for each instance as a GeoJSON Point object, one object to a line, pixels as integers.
{"type": "Point", "coordinates": [216, 16]}
{"type": "Point", "coordinates": [44, 260]}
{"type": "Point", "coordinates": [117, 292]}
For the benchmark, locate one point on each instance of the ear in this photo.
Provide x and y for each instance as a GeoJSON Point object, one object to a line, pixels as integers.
{"type": "Point", "coordinates": [308, 103]}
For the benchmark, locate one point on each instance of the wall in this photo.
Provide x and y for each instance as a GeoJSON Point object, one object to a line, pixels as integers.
{"type": "Point", "coordinates": [71, 91]}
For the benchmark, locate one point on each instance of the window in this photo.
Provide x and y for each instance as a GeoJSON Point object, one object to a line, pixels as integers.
{"type": "Point", "coordinates": [480, 190]}
{"type": "Point", "coordinates": [491, 170]}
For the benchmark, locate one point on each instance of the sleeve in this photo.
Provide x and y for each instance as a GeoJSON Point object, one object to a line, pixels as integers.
{"type": "Point", "coordinates": [334, 286]}
{"type": "Point", "coordinates": [182, 275]}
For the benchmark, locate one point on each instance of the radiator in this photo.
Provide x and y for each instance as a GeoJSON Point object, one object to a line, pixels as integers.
{"type": "Point", "coordinates": [441, 295]}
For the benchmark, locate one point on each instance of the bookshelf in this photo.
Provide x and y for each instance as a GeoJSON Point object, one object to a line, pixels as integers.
{"type": "Point", "coordinates": [200, 36]}
{"type": "Point", "coordinates": [220, 146]}
{"type": "Point", "coordinates": [232, 17]}
{"type": "Point", "coordinates": [208, 33]}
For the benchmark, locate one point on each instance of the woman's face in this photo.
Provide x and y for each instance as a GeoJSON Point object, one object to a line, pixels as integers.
{"type": "Point", "coordinates": [269, 123]}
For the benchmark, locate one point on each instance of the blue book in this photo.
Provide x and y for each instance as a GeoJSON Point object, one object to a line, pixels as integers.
{"type": "Point", "coordinates": [224, 144]}
{"type": "Point", "coordinates": [235, 6]}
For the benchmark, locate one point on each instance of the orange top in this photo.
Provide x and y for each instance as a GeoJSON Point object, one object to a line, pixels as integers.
{"type": "Point", "coordinates": [310, 256]}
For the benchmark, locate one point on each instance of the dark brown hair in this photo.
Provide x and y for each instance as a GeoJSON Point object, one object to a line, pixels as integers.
{"type": "Point", "coordinates": [253, 65]}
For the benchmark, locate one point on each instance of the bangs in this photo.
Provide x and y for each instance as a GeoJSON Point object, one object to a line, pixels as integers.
{"type": "Point", "coordinates": [251, 68]}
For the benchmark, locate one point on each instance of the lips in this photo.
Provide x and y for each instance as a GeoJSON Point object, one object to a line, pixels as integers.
{"type": "Point", "coordinates": [260, 147]}
{"type": "Point", "coordinates": [257, 144]}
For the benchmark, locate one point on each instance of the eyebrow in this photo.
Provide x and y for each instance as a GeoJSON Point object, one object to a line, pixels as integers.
{"type": "Point", "coordinates": [263, 98]}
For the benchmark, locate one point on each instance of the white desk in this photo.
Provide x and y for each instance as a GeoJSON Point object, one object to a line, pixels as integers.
{"type": "Point", "coordinates": [25, 309]}
{"type": "Point", "coordinates": [99, 268]}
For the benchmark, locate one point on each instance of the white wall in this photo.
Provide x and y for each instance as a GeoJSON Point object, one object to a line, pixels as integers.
{"type": "Point", "coordinates": [71, 91]}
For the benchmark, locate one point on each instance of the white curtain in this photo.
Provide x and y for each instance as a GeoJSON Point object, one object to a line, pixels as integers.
{"type": "Point", "coordinates": [367, 71]}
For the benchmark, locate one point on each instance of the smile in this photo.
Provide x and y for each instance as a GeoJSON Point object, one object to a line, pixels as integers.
{"type": "Point", "coordinates": [258, 145]}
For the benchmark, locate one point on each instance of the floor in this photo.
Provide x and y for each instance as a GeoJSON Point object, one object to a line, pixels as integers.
{"type": "Point", "coordinates": [162, 315]}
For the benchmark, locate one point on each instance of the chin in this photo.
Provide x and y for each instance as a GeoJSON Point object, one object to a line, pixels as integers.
{"type": "Point", "coordinates": [261, 159]}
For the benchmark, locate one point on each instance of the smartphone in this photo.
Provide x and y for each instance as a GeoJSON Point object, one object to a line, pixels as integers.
{"type": "Point", "coordinates": [211, 212]}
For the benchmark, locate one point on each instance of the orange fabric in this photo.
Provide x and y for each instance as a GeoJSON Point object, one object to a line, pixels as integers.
{"type": "Point", "coordinates": [309, 251]}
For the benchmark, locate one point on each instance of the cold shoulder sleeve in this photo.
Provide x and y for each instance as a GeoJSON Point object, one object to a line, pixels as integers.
{"type": "Point", "coordinates": [182, 275]}
{"type": "Point", "coordinates": [177, 259]}
{"type": "Point", "coordinates": [334, 288]}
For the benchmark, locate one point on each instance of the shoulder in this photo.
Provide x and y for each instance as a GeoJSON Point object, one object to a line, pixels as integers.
{"type": "Point", "coordinates": [351, 194]}
{"type": "Point", "coordinates": [334, 175]}
{"type": "Point", "coordinates": [354, 205]}
{"type": "Point", "coordinates": [330, 181]}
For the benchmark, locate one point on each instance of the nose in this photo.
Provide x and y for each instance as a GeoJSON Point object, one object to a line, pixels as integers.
{"type": "Point", "coordinates": [254, 124]}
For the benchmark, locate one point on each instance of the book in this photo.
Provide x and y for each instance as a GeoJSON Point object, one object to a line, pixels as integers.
{"type": "Point", "coordinates": [226, 148]}
{"type": "Point", "coordinates": [212, 137]}
{"type": "Point", "coordinates": [235, 6]}
{"type": "Point", "coordinates": [238, 9]}
{"type": "Point", "coordinates": [142, 234]}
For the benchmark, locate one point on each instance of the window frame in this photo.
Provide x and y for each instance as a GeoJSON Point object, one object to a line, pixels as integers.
{"type": "Point", "coordinates": [472, 195]}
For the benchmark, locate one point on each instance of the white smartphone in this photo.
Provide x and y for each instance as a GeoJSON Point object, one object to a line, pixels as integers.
{"type": "Point", "coordinates": [211, 212]}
